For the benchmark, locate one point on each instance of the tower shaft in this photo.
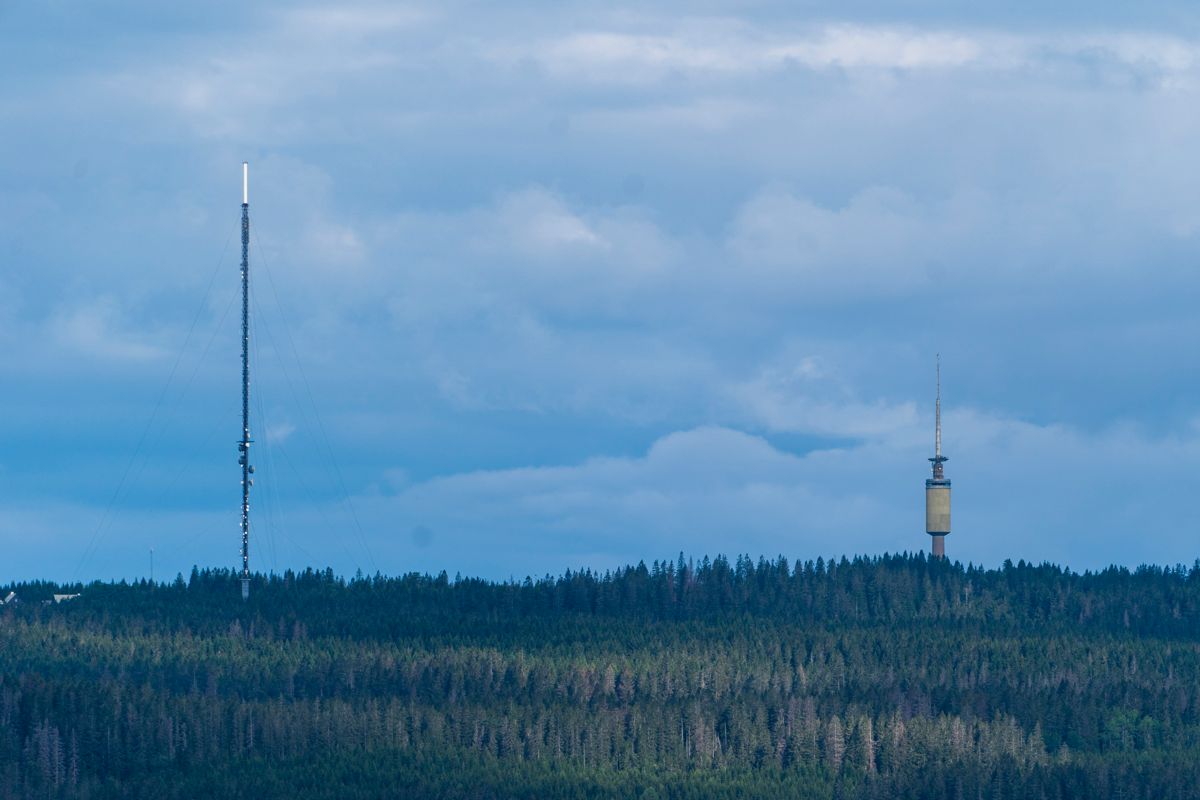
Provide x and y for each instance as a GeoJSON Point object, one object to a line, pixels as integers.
{"type": "Point", "coordinates": [244, 442]}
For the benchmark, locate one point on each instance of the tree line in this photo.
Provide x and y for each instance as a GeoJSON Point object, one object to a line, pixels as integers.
{"type": "Point", "coordinates": [871, 677]}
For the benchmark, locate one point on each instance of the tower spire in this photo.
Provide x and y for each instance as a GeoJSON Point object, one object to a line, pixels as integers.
{"type": "Point", "coordinates": [244, 442]}
{"type": "Point", "coordinates": [938, 459]}
{"type": "Point", "coordinates": [937, 436]}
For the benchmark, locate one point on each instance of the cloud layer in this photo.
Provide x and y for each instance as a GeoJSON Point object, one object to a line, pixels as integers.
{"type": "Point", "coordinates": [577, 285]}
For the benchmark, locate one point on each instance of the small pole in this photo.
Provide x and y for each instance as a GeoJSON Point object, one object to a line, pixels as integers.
{"type": "Point", "coordinates": [152, 565]}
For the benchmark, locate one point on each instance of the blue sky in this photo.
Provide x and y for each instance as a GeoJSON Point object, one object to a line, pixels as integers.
{"type": "Point", "coordinates": [577, 284]}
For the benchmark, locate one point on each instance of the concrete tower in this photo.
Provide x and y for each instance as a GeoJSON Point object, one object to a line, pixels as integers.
{"type": "Point", "coordinates": [937, 488]}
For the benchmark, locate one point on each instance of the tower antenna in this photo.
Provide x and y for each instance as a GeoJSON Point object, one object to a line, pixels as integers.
{"type": "Point", "coordinates": [244, 442]}
{"type": "Point", "coordinates": [937, 488]}
{"type": "Point", "coordinates": [937, 435]}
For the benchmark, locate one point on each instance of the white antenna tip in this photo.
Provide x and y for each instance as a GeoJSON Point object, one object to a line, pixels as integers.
{"type": "Point", "coordinates": [245, 183]}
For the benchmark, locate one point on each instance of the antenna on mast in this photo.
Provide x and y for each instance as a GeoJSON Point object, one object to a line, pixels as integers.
{"type": "Point", "coordinates": [937, 435]}
{"type": "Point", "coordinates": [244, 442]}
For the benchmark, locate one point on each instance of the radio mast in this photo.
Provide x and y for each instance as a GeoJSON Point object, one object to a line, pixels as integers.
{"type": "Point", "coordinates": [244, 442]}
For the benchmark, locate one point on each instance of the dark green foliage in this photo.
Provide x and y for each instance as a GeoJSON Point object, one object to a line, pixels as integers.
{"type": "Point", "coordinates": [876, 678]}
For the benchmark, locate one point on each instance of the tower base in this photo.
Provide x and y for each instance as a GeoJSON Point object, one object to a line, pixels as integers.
{"type": "Point", "coordinates": [939, 545]}
{"type": "Point", "coordinates": [245, 588]}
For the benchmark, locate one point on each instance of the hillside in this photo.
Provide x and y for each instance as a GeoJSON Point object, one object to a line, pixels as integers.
{"type": "Point", "coordinates": [895, 676]}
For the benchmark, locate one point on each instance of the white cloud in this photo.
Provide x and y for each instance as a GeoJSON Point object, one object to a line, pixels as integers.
{"type": "Point", "coordinates": [642, 222]}
{"type": "Point", "coordinates": [888, 48]}
{"type": "Point", "coordinates": [724, 48]}
{"type": "Point", "coordinates": [255, 80]}
{"type": "Point", "coordinates": [541, 224]}
{"type": "Point", "coordinates": [698, 47]}
{"type": "Point", "coordinates": [334, 245]}
{"type": "Point", "coordinates": [280, 432]}
{"type": "Point", "coordinates": [712, 490]}
{"type": "Point", "coordinates": [880, 241]}
{"type": "Point", "coordinates": [1021, 491]}
{"type": "Point", "coordinates": [781, 402]}
{"type": "Point", "coordinates": [525, 252]}
{"type": "Point", "coordinates": [689, 489]}
{"type": "Point", "coordinates": [100, 329]}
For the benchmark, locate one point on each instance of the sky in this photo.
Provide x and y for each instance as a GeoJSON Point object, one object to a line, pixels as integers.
{"type": "Point", "coordinates": [540, 286]}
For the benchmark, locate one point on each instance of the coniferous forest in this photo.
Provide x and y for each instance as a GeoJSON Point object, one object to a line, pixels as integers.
{"type": "Point", "coordinates": [885, 677]}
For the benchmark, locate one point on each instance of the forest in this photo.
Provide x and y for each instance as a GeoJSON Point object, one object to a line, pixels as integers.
{"type": "Point", "coordinates": [881, 677]}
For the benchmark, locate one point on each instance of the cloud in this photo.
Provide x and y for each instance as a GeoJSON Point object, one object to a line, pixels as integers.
{"type": "Point", "coordinates": [690, 488]}
{"type": "Point", "coordinates": [1021, 491]}
{"type": "Point", "coordinates": [738, 48]}
{"type": "Point", "coordinates": [101, 329]}
{"type": "Point", "coordinates": [852, 46]}
{"type": "Point", "coordinates": [262, 75]}
{"type": "Point", "coordinates": [280, 432]}
{"type": "Point", "coordinates": [881, 241]}
{"type": "Point", "coordinates": [699, 48]}
{"type": "Point", "coordinates": [625, 249]}
{"type": "Point", "coordinates": [783, 402]}
{"type": "Point", "coordinates": [527, 249]}
{"type": "Point", "coordinates": [710, 490]}
{"type": "Point", "coordinates": [541, 225]}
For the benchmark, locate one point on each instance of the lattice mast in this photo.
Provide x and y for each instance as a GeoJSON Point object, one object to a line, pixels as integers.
{"type": "Point", "coordinates": [244, 442]}
{"type": "Point", "coordinates": [937, 488]}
